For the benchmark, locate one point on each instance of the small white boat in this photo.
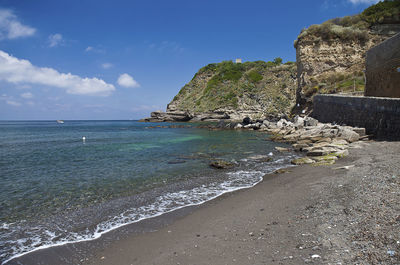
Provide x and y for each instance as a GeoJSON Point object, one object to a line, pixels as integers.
{"type": "Point", "coordinates": [60, 121]}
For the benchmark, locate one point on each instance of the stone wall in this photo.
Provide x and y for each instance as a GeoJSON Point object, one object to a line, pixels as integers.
{"type": "Point", "coordinates": [382, 63]}
{"type": "Point", "coordinates": [379, 116]}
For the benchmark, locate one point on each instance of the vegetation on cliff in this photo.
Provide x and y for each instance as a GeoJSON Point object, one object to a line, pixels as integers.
{"type": "Point", "coordinates": [240, 86]}
{"type": "Point", "coordinates": [353, 28]}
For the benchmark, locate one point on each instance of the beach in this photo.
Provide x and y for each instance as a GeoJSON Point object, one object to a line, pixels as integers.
{"type": "Point", "coordinates": [337, 214]}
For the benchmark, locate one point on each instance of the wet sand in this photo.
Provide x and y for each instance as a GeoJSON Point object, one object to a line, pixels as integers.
{"type": "Point", "coordinates": [306, 215]}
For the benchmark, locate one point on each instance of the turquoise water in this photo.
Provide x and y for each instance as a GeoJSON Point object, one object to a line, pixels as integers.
{"type": "Point", "coordinates": [56, 188]}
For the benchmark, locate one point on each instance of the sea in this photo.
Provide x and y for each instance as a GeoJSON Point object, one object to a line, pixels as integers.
{"type": "Point", "coordinates": [72, 182]}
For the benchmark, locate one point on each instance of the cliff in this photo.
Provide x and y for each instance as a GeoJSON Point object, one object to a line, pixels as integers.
{"type": "Point", "coordinates": [331, 56]}
{"type": "Point", "coordinates": [234, 91]}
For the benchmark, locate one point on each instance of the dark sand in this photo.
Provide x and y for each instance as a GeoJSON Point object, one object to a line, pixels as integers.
{"type": "Point", "coordinates": [308, 215]}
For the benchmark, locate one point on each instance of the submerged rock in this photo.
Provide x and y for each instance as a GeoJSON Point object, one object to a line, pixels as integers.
{"type": "Point", "coordinates": [221, 164]}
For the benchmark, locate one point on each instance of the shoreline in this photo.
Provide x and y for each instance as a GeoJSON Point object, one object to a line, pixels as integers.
{"type": "Point", "coordinates": [62, 253]}
{"type": "Point", "coordinates": [289, 218]}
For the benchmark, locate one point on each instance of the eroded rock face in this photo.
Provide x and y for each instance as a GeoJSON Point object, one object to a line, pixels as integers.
{"type": "Point", "coordinates": [335, 59]}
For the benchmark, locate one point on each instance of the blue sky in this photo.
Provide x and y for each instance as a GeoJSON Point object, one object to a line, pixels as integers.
{"type": "Point", "coordinates": [97, 59]}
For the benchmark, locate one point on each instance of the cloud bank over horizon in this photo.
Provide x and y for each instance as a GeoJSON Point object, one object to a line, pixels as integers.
{"type": "Point", "coordinates": [20, 71]}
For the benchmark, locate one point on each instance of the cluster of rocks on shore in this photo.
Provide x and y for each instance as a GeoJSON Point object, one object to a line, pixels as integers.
{"type": "Point", "coordinates": [323, 143]}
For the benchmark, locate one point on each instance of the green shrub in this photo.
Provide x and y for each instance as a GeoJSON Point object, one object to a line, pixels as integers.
{"type": "Point", "coordinates": [210, 67]}
{"type": "Point", "coordinates": [278, 61]}
{"type": "Point", "coordinates": [354, 28]}
{"type": "Point", "coordinates": [381, 11]}
{"type": "Point", "coordinates": [228, 70]}
{"type": "Point", "coordinates": [253, 76]}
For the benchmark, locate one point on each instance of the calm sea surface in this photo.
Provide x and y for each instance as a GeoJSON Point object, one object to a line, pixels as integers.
{"type": "Point", "coordinates": [56, 188]}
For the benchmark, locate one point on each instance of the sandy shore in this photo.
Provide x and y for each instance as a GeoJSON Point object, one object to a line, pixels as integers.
{"type": "Point", "coordinates": [320, 215]}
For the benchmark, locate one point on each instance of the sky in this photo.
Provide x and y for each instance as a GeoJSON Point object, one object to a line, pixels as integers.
{"type": "Point", "coordinates": [120, 60]}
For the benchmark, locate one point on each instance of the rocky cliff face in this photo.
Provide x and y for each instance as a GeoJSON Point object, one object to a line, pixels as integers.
{"type": "Point", "coordinates": [331, 56]}
{"type": "Point", "coordinates": [336, 64]}
{"type": "Point", "coordinates": [233, 91]}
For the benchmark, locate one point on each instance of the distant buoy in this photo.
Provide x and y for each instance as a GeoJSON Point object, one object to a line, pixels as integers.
{"type": "Point", "coordinates": [83, 138]}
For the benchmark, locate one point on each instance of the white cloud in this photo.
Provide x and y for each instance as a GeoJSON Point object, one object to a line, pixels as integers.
{"type": "Point", "coordinates": [356, 2]}
{"type": "Point", "coordinates": [27, 95]}
{"type": "Point", "coordinates": [11, 28]}
{"type": "Point", "coordinates": [95, 50]}
{"type": "Point", "coordinates": [17, 71]}
{"type": "Point", "coordinates": [55, 40]}
{"type": "Point", "coordinates": [13, 103]}
{"type": "Point", "coordinates": [107, 65]}
{"type": "Point", "coordinates": [126, 80]}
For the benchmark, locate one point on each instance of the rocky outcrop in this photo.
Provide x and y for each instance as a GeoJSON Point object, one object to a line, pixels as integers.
{"type": "Point", "coordinates": [323, 143]}
{"type": "Point", "coordinates": [233, 91]}
{"type": "Point", "coordinates": [160, 116]}
{"type": "Point", "coordinates": [331, 56]}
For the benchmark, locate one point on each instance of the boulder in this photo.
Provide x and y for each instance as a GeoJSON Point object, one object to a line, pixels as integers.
{"type": "Point", "coordinates": [349, 135]}
{"type": "Point", "coordinates": [221, 164]}
{"type": "Point", "coordinates": [324, 158]}
{"type": "Point", "coordinates": [261, 158]}
{"type": "Point", "coordinates": [339, 142]}
{"type": "Point", "coordinates": [360, 131]}
{"type": "Point", "coordinates": [266, 123]}
{"type": "Point", "coordinates": [246, 121]}
{"type": "Point", "coordinates": [298, 121]}
{"type": "Point", "coordinates": [320, 151]}
{"type": "Point", "coordinates": [238, 126]}
{"type": "Point", "coordinates": [281, 149]}
{"type": "Point", "coordinates": [308, 121]}
{"type": "Point", "coordinates": [341, 153]}
{"type": "Point", "coordinates": [299, 147]}
{"type": "Point", "coordinates": [303, 160]}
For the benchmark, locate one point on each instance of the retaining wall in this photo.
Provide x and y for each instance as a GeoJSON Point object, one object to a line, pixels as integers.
{"type": "Point", "coordinates": [379, 116]}
{"type": "Point", "coordinates": [383, 69]}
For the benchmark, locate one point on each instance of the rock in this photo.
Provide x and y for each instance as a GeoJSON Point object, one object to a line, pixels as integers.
{"type": "Point", "coordinates": [266, 123]}
{"type": "Point", "coordinates": [303, 160]}
{"type": "Point", "coordinates": [283, 123]}
{"type": "Point", "coordinates": [326, 158]}
{"type": "Point", "coordinates": [339, 142]}
{"type": "Point", "coordinates": [325, 140]}
{"type": "Point", "coordinates": [221, 164]}
{"type": "Point", "coordinates": [304, 141]}
{"type": "Point", "coordinates": [246, 121]}
{"type": "Point", "coordinates": [299, 147]}
{"type": "Point", "coordinates": [341, 153]}
{"type": "Point", "coordinates": [261, 158]}
{"type": "Point", "coordinates": [359, 131]}
{"type": "Point", "coordinates": [298, 121]}
{"type": "Point", "coordinates": [281, 149]}
{"type": "Point", "coordinates": [238, 126]}
{"type": "Point", "coordinates": [349, 135]}
{"type": "Point", "coordinates": [308, 121]}
{"type": "Point", "coordinates": [320, 151]}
